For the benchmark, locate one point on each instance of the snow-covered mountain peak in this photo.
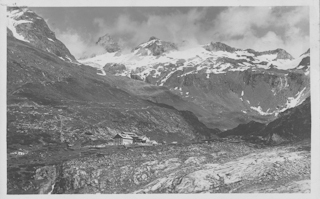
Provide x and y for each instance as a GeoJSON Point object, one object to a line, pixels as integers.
{"type": "Point", "coordinates": [157, 55]}
{"type": "Point", "coordinates": [17, 16]}
{"type": "Point", "coordinates": [25, 25]}
{"type": "Point", "coordinates": [154, 47]}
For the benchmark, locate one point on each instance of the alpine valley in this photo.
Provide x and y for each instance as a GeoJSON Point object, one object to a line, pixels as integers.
{"type": "Point", "coordinates": [221, 119]}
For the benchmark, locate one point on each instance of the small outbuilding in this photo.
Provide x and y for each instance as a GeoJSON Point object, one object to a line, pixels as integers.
{"type": "Point", "coordinates": [122, 139]}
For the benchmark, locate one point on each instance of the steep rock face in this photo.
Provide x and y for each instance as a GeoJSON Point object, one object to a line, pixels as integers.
{"type": "Point", "coordinates": [108, 43]}
{"type": "Point", "coordinates": [282, 54]}
{"type": "Point", "coordinates": [304, 64]}
{"type": "Point", "coordinates": [238, 97]}
{"type": "Point", "coordinates": [292, 125]}
{"type": "Point", "coordinates": [29, 27]}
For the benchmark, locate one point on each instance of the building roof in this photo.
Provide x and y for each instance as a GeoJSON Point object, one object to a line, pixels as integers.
{"type": "Point", "coordinates": [124, 136]}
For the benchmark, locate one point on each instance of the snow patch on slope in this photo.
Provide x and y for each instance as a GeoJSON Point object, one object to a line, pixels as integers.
{"type": "Point", "coordinates": [293, 102]}
{"type": "Point", "coordinates": [259, 109]}
{"type": "Point", "coordinates": [103, 73]}
{"type": "Point", "coordinates": [12, 22]}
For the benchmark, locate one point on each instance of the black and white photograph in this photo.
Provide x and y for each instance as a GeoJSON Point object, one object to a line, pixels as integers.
{"type": "Point", "coordinates": [156, 98]}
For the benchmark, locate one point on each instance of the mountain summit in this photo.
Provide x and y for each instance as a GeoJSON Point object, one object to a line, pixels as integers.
{"type": "Point", "coordinates": [108, 43]}
{"type": "Point", "coordinates": [27, 26]}
{"type": "Point", "coordinates": [282, 54]}
{"type": "Point", "coordinates": [218, 46]}
{"type": "Point", "coordinates": [154, 47]}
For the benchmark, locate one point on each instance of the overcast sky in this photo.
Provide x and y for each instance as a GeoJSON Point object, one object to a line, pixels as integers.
{"type": "Point", "coordinates": [258, 28]}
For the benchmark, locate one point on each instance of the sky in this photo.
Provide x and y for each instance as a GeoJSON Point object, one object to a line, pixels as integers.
{"type": "Point", "coordinates": [258, 28]}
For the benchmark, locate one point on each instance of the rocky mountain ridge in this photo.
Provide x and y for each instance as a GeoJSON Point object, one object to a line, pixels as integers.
{"type": "Point", "coordinates": [220, 80]}
{"type": "Point", "coordinates": [27, 26]}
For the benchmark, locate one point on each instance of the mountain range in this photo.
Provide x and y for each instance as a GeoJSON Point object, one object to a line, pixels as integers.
{"type": "Point", "coordinates": [166, 91]}
{"type": "Point", "coordinates": [226, 86]}
{"type": "Point", "coordinates": [223, 86]}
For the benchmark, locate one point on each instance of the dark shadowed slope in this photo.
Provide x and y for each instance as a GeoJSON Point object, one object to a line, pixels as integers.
{"type": "Point", "coordinates": [292, 125]}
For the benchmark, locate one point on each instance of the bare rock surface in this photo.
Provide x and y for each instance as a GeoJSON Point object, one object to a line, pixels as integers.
{"type": "Point", "coordinates": [261, 166]}
{"type": "Point", "coordinates": [234, 168]}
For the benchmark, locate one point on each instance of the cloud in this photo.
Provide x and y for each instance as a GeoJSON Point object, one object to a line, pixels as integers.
{"type": "Point", "coordinates": [264, 28]}
{"type": "Point", "coordinates": [76, 44]}
{"type": "Point", "coordinates": [175, 27]}
{"type": "Point", "coordinates": [238, 21]}
{"type": "Point", "coordinates": [269, 41]}
{"type": "Point", "coordinates": [258, 28]}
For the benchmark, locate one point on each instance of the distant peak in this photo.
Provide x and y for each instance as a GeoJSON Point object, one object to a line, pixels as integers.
{"type": "Point", "coordinates": [153, 38]}
{"type": "Point", "coordinates": [104, 37]}
{"type": "Point", "coordinates": [218, 43]}
{"type": "Point", "coordinates": [281, 53]}
{"type": "Point", "coordinates": [155, 47]}
{"type": "Point", "coordinates": [280, 50]}
{"type": "Point", "coordinates": [108, 43]}
{"type": "Point", "coordinates": [219, 46]}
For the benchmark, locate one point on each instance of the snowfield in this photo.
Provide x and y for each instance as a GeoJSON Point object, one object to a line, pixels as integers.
{"type": "Point", "coordinates": [199, 58]}
{"type": "Point", "coordinates": [142, 63]}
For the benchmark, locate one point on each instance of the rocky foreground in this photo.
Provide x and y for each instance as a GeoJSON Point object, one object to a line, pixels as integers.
{"type": "Point", "coordinates": [216, 167]}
